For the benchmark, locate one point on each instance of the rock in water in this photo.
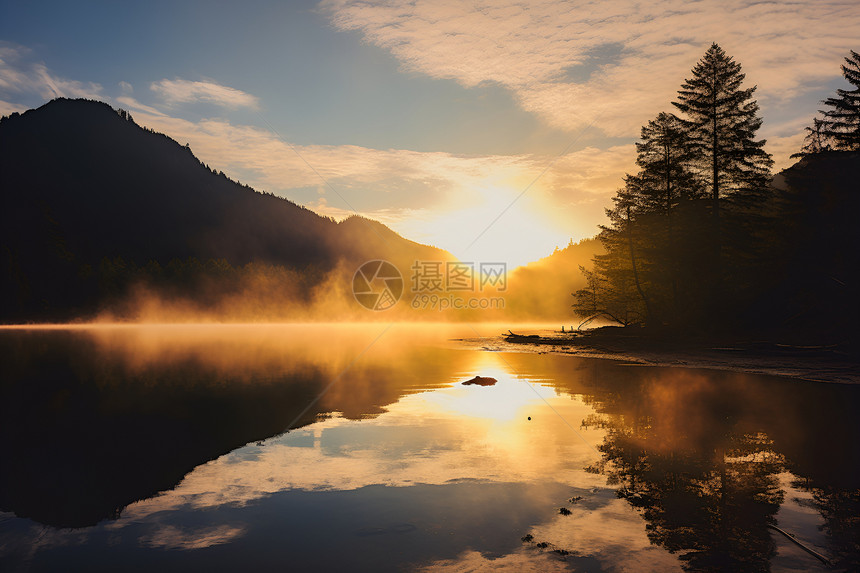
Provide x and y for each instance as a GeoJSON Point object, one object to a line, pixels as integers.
{"type": "Point", "coordinates": [480, 381]}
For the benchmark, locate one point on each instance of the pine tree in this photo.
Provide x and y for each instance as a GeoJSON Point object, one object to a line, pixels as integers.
{"type": "Point", "coordinates": [816, 139]}
{"type": "Point", "coordinates": [722, 119]}
{"type": "Point", "coordinates": [665, 155]}
{"type": "Point", "coordinates": [622, 266]}
{"type": "Point", "coordinates": [841, 123]}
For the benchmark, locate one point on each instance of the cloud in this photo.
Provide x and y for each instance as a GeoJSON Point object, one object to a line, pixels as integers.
{"type": "Point", "coordinates": [173, 537]}
{"type": "Point", "coordinates": [273, 164]}
{"type": "Point", "coordinates": [21, 76]}
{"type": "Point", "coordinates": [534, 49]}
{"type": "Point", "coordinates": [186, 91]}
{"type": "Point", "coordinates": [7, 108]}
{"type": "Point", "coordinates": [132, 104]}
{"type": "Point", "coordinates": [589, 173]}
{"type": "Point", "coordinates": [782, 148]}
{"type": "Point", "coordinates": [475, 562]}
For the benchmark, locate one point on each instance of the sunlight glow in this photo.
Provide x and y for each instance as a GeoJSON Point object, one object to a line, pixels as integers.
{"type": "Point", "coordinates": [497, 227]}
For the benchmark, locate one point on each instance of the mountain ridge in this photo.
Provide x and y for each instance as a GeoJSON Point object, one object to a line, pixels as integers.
{"type": "Point", "coordinates": [81, 182]}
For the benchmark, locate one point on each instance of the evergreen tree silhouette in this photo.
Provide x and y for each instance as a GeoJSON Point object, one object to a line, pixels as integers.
{"type": "Point", "coordinates": [841, 123]}
{"type": "Point", "coordinates": [722, 120]}
{"type": "Point", "coordinates": [665, 155]}
{"type": "Point", "coordinates": [666, 180]}
{"type": "Point", "coordinates": [816, 139]}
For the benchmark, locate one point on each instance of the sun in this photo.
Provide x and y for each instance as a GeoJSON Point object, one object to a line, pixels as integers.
{"type": "Point", "coordinates": [495, 224]}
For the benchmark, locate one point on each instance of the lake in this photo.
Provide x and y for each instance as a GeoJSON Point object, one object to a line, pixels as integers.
{"type": "Point", "coordinates": [357, 448]}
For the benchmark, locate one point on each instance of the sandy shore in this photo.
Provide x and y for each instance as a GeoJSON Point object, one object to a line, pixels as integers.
{"type": "Point", "coordinates": [816, 364]}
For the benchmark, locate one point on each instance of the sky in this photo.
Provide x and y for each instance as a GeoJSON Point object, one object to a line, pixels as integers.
{"type": "Point", "coordinates": [497, 130]}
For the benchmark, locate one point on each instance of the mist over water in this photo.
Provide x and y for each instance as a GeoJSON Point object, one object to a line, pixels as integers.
{"type": "Point", "coordinates": [231, 446]}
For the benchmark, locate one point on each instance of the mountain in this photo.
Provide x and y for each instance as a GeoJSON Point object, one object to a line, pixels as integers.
{"type": "Point", "coordinates": [82, 184]}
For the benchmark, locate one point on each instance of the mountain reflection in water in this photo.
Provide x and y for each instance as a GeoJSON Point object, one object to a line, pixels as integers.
{"type": "Point", "coordinates": [168, 447]}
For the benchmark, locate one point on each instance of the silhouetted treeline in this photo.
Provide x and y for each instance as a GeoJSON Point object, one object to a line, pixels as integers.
{"type": "Point", "coordinates": [82, 183]}
{"type": "Point", "coordinates": [703, 239]}
{"type": "Point", "coordinates": [838, 128]}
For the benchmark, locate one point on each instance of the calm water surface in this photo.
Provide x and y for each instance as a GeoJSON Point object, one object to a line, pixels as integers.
{"type": "Point", "coordinates": [358, 448]}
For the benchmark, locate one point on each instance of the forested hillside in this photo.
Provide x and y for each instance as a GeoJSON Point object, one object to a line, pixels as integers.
{"type": "Point", "coordinates": [92, 203]}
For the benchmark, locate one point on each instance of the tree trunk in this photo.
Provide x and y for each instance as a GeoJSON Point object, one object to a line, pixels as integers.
{"type": "Point", "coordinates": [648, 314]}
{"type": "Point", "coordinates": [670, 248]}
{"type": "Point", "coordinates": [717, 279]}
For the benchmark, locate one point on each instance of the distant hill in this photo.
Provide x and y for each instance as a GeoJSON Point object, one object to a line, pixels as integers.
{"type": "Point", "coordinates": [542, 290]}
{"type": "Point", "coordinates": [82, 184]}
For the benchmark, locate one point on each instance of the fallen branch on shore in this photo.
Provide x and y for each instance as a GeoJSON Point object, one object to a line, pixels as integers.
{"type": "Point", "coordinates": [515, 335]}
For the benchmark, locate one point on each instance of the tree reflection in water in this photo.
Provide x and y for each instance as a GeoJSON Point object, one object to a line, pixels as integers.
{"type": "Point", "coordinates": [697, 454]}
{"type": "Point", "coordinates": [840, 509]}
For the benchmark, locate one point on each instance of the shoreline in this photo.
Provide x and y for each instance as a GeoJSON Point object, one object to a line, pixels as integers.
{"type": "Point", "coordinates": [813, 364]}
